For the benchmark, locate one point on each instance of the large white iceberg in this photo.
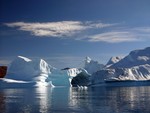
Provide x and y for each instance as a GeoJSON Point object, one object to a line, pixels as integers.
{"type": "Point", "coordinates": [135, 67]}
{"type": "Point", "coordinates": [24, 71]}
{"type": "Point", "coordinates": [136, 73]}
{"type": "Point", "coordinates": [23, 68]}
{"type": "Point", "coordinates": [135, 58]}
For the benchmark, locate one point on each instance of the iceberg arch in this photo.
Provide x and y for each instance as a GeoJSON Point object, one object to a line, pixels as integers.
{"type": "Point", "coordinates": [36, 72]}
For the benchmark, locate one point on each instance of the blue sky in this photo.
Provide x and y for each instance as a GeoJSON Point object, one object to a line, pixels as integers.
{"type": "Point", "coordinates": [63, 32]}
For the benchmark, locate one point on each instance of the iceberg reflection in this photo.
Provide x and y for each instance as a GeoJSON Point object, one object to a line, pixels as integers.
{"type": "Point", "coordinates": [2, 102]}
{"type": "Point", "coordinates": [71, 100]}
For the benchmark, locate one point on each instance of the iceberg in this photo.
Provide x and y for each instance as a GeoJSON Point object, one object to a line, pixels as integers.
{"type": "Point", "coordinates": [136, 73]}
{"type": "Point", "coordinates": [133, 67]}
{"type": "Point", "coordinates": [92, 66]}
{"type": "Point", "coordinates": [63, 77]}
{"type": "Point", "coordinates": [135, 58]}
{"type": "Point", "coordinates": [81, 80]}
{"type": "Point", "coordinates": [23, 68]}
{"type": "Point", "coordinates": [24, 71]}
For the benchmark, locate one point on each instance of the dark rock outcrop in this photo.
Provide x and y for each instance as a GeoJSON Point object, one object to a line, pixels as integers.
{"type": "Point", "coordinates": [80, 80]}
{"type": "Point", "coordinates": [3, 71]}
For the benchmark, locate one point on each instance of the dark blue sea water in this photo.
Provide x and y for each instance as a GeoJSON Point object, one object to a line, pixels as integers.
{"type": "Point", "coordinates": [74, 100]}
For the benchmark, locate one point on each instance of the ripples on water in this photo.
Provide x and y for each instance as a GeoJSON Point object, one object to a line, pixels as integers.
{"type": "Point", "coordinates": [74, 100]}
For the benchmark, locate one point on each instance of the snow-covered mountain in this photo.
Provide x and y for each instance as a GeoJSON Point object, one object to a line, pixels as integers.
{"type": "Point", "coordinates": [135, 66]}
{"type": "Point", "coordinates": [92, 66]}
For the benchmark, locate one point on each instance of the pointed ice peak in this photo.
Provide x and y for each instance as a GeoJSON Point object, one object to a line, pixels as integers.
{"type": "Point", "coordinates": [92, 66]}
{"type": "Point", "coordinates": [87, 59]}
{"type": "Point", "coordinates": [42, 61]}
{"type": "Point", "coordinates": [25, 58]}
{"type": "Point", "coordinates": [113, 60]}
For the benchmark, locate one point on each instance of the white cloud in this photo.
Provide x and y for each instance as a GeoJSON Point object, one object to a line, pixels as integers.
{"type": "Point", "coordinates": [85, 30]}
{"type": "Point", "coordinates": [57, 29]}
{"type": "Point", "coordinates": [113, 37]}
{"type": "Point", "coordinates": [142, 29]}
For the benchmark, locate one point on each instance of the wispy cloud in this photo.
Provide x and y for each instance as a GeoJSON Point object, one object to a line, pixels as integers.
{"type": "Point", "coordinates": [84, 30]}
{"type": "Point", "coordinates": [123, 34]}
{"type": "Point", "coordinates": [113, 37]}
{"type": "Point", "coordinates": [142, 29]}
{"type": "Point", "coordinates": [57, 29]}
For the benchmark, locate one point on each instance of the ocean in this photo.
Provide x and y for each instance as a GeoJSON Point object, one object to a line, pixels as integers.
{"type": "Point", "coordinates": [76, 100]}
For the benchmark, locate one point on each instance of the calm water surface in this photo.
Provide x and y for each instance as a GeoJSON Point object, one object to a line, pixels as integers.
{"type": "Point", "coordinates": [74, 100]}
